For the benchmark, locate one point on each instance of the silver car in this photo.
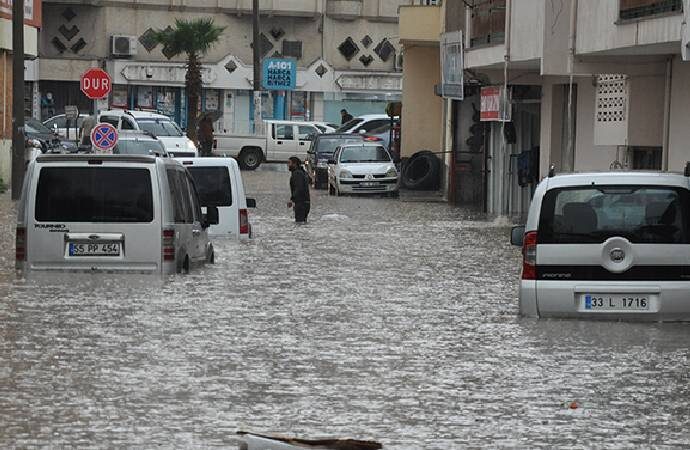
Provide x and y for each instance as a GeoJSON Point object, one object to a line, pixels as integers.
{"type": "Point", "coordinates": [111, 213]}
{"type": "Point", "coordinates": [610, 245]}
{"type": "Point", "coordinates": [361, 169]}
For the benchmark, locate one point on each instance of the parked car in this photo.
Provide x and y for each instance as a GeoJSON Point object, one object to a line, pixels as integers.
{"type": "Point", "coordinates": [139, 144]}
{"type": "Point", "coordinates": [64, 128]}
{"type": "Point", "coordinates": [362, 168]}
{"type": "Point", "coordinates": [381, 135]}
{"type": "Point", "coordinates": [41, 139]}
{"type": "Point", "coordinates": [219, 183]}
{"type": "Point", "coordinates": [114, 213]}
{"type": "Point", "coordinates": [324, 127]}
{"type": "Point", "coordinates": [364, 124]}
{"type": "Point", "coordinates": [321, 150]}
{"type": "Point", "coordinates": [177, 144]}
{"type": "Point", "coordinates": [611, 245]}
{"type": "Point", "coordinates": [282, 140]}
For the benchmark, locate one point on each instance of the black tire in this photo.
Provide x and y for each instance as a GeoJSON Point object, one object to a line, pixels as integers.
{"type": "Point", "coordinates": [331, 189]}
{"type": "Point", "coordinates": [422, 171]}
{"type": "Point", "coordinates": [250, 159]}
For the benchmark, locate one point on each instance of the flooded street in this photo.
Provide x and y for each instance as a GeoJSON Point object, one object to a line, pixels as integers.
{"type": "Point", "coordinates": [379, 320]}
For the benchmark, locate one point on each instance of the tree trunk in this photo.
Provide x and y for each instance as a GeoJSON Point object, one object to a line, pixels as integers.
{"type": "Point", "coordinates": [193, 86]}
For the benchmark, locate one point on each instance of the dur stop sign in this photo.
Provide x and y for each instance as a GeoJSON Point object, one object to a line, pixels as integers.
{"type": "Point", "coordinates": [96, 83]}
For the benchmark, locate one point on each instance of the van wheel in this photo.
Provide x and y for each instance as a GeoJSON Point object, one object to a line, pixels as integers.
{"type": "Point", "coordinates": [250, 159]}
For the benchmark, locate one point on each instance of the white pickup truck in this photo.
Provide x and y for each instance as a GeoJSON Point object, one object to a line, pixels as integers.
{"type": "Point", "coordinates": [283, 139]}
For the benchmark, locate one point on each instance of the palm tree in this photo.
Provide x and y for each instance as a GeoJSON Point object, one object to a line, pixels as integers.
{"type": "Point", "coordinates": [194, 38]}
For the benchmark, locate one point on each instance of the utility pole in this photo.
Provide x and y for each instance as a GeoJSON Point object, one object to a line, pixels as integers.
{"type": "Point", "coordinates": [258, 121]}
{"type": "Point", "coordinates": [18, 153]}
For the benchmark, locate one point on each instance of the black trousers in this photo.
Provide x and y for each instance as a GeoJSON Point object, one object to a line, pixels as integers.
{"type": "Point", "coordinates": [302, 211]}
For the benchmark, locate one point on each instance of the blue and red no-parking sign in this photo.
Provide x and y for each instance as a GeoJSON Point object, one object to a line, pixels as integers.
{"type": "Point", "coordinates": [104, 137]}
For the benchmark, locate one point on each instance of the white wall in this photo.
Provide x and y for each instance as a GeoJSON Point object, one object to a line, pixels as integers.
{"type": "Point", "coordinates": [30, 37]}
{"type": "Point", "coordinates": [526, 39]}
{"type": "Point", "coordinates": [679, 130]}
{"type": "Point", "coordinates": [587, 155]}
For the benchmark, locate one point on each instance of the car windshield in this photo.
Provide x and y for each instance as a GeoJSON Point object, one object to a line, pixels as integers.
{"type": "Point", "coordinates": [347, 126]}
{"type": "Point", "coordinates": [160, 127]}
{"type": "Point", "coordinates": [94, 194]}
{"type": "Point", "coordinates": [364, 154]}
{"type": "Point", "coordinates": [643, 215]}
{"type": "Point", "coordinates": [327, 146]}
{"type": "Point", "coordinates": [34, 126]}
{"type": "Point", "coordinates": [139, 147]}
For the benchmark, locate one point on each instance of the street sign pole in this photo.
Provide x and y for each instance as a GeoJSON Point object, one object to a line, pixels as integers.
{"type": "Point", "coordinates": [258, 121]}
{"type": "Point", "coordinates": [18, 152]}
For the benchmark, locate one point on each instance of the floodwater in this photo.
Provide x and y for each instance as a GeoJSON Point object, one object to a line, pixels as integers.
{"type": "Point", "coordinates": [378, 320]}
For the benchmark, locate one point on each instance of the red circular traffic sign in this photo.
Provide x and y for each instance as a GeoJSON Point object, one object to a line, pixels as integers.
{"type": "Point", "coordinates": [104, 136]}
{"type": "Point", "coordinates": [96, 83]}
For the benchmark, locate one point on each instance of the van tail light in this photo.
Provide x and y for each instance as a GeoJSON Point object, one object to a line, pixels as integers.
{"type": "Point", "coordinates": [529, 256]}
{"type": "Point", "coordinates": [20, 244]}
{"type": "Point", "coordinates": [244, 221]}
{"type": "Point", "coordinates": [168, 245]}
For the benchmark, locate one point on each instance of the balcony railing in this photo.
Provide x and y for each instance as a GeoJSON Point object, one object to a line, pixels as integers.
{"type": "Point", "coordinates": [488, 22]}
{"type": "Point", "coordinates": [636, 9]}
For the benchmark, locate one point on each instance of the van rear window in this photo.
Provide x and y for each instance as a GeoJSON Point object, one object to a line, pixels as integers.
{"type": "Point", "coordinates": [213, 185]}
{"type": "Point", "coordinates": [94, 194]}
{"type": "Point", "coordinates": [589, 214]}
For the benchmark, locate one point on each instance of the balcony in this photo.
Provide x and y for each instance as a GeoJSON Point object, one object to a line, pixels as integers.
{"type": "Point", "coordinates": [488, 23]}
{"type": "Point", "coordinates": [420, 25]}
{"type": "Point", "coordinates": [640, 9]}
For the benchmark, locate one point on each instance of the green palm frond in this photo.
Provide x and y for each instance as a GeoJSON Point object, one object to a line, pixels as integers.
{"type": "Point", "coordinates": [193, 37]}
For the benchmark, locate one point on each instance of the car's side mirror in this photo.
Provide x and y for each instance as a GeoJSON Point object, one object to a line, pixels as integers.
{"type": "Point", "coordinates": [211, 216]}
{"type": "Point", "coordinates": [517, 235]}
{"type": "Point", "coordinates": [331, 161]}
{"type": "Point", "coordinates": [251, 203]}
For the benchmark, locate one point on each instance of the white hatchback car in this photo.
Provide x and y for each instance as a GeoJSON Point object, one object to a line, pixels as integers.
{"type": "Point", "coordinates": [612, 245]}
{"type": "Point", "coordinates": [362, 168]}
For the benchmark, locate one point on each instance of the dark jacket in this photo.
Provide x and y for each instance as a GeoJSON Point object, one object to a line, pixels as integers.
{"type": "Point", "coordinates": [299, 186]}
{"type": "Point", "coordinates": [346, 118]}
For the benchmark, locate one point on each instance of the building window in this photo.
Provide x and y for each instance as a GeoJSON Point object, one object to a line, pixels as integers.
{"type": "Point", "coordinates": [646, 158]}
{"type": "Point", "coordinates": [636, 9]}
{"type": "Point", "coordinates": [488, 22]}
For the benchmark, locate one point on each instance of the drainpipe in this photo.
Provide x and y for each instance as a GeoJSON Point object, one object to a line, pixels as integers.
{"type": "Point", "coordinates": [667, 112]}
{"type": "Point", "coordinates": [572, 49]}
{"type": "Point", "coordinates": [504, 147]}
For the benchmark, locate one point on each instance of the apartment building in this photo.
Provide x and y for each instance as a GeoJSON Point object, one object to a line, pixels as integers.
{"type": "Point", "coordinates": [347, 51]}
{"type": "Point", "coordinates": [593, 85]}
{"type": "Point", "coordinates": [32, 22]}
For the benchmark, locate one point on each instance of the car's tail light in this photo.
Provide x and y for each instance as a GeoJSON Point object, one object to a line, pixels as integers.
{"type": "Point", "coordinates": [168, 240]}
{"type": "Point", "coordinates": [372, 138]}
{"type": "Point", "coordinates": [244, 221]}
{"type": "Point", "coordinates": [20, 244]}
{"type": "Point", "coordinates": [529, 256]}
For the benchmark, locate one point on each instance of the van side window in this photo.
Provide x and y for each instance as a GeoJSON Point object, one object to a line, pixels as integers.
{"type": "Point", "coordinates": [112, 120]}
{"type": "Point", "coordinates": [179, 196]}
{"type": "Point", "coordinates": [193, 198]}
{"type": "Point", "coordinates": [127, 124]}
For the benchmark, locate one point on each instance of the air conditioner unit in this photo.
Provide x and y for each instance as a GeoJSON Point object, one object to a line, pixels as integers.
{"type": "Point", "coordinates": [123, 45]}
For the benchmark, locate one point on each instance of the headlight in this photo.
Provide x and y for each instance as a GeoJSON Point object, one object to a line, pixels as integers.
{"type": "Point", "coordinates": [392, 173]}
{"type": "Point", "coordinates": [345, 174]}
{"type": "Point", "coordinates": [33, 143]}
{"type": "Point", "coordinates": [190, 145]}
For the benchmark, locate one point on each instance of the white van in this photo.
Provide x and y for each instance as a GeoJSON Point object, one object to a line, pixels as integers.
{"type": "Point", "coordinates": [219, 183]}
{"type": "Point", "coordinates": [111, 213]}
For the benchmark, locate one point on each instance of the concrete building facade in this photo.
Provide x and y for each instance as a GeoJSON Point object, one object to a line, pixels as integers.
{"type": "Point", "coordinates": [347, 52]}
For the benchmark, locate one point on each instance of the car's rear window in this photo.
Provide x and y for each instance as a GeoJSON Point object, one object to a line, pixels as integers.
{"type": "Point", "coordinates": [213, 185]}
{"type": "Point", "coordinates": [94, 194]}
{"type": "Point", "coordinates": [327, 146]}
{"type": "Point", "coordinates": [593, 214]}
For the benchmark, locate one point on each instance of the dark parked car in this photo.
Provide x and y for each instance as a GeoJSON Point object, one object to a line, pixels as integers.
{"type": "Point", "coordinates": [322, 148]}
{"type": "Point", "coordinates": [39, 137]}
